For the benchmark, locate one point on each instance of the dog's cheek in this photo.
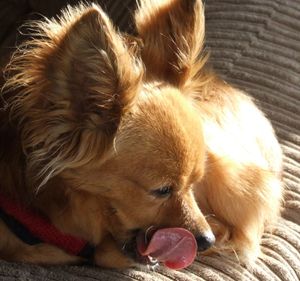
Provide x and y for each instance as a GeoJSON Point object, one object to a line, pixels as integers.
{"type": "Point", "coordinates": [135, 214]}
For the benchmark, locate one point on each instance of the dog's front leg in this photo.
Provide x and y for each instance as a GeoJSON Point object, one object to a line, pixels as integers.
{"type": "Point", "coordinates": [15, 250]}
{"type": "Point", "coordinates": [242, 199]}
{"type": "Point", "coordinates": [109, 255]}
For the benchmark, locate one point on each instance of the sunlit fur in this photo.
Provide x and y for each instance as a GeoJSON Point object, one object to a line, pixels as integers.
{"type": "Point", "coordinates": [96, 120]}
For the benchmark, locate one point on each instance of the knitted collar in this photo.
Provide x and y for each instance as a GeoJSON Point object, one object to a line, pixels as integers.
{"type": "Point", "coordinates": [32, 228]}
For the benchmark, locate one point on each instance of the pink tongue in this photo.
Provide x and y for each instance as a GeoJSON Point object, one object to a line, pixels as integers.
{"type": "Point", "coordinates": [175, 247]}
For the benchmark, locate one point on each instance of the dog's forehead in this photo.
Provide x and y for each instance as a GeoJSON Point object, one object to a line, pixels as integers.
{"type": "Point", "coordinates": [163, 131]}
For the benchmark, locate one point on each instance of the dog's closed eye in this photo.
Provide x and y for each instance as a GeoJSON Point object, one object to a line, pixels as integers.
{"type": "Point", "coordinates": [162, 192]}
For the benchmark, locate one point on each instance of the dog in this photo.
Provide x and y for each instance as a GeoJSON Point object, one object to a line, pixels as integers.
{"type": "Point", "coordinates": [106, 135]}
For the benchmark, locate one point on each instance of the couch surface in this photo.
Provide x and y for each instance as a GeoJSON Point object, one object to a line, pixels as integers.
{"type": "Point", "coordinates": [255, 45]}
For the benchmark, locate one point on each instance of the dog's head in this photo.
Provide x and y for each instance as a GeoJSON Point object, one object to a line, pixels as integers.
{"type": "Point", "coordinates": [117, 124]}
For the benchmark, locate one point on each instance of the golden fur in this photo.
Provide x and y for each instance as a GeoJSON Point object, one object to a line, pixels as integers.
{"type": "Point", "coordinates": [95, 123]}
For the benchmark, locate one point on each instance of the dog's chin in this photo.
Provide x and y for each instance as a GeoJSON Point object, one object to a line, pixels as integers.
{"type": "Point", "coordinates": [130, 248]}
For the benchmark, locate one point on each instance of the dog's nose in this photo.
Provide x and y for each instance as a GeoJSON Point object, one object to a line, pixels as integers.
{"type": "Point", "coordinates": [205, 241]}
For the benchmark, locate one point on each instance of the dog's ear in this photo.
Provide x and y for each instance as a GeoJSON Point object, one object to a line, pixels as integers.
{"type": "Point", "coordinates": [172, 32]}
{"type": "Point", "coordinates": [75, 82]}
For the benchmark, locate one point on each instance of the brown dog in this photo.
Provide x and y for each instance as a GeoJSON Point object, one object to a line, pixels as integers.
{"type": "Point", "coordinates": [105, 138]}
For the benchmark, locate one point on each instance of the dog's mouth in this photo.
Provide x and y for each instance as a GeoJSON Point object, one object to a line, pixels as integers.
{"type": "Point", "coordinates": [176, 248]}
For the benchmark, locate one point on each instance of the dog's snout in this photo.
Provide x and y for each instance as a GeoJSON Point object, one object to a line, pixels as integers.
{"type": "Point", "coordinates": [205, 241]}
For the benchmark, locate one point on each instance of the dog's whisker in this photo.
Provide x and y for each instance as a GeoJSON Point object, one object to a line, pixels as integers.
{"type": "Point", "coordinates": [210, 215]}
{"type": "Point", "coordinates": [124, 246]}
{"type": "Point", "coordinates": [236, 255]}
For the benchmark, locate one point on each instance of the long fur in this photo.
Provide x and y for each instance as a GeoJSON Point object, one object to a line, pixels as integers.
{"type": "Point", "coordinates": [50, 57]}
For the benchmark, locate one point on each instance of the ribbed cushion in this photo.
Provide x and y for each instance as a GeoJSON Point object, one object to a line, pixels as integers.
{"type": "Point", "coordinates": [255, 45]}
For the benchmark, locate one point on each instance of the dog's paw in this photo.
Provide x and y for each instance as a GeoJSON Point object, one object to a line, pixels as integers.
{"type": "Point", "coordinates": [109, 255]}
{"type": "Point", "coordinates": [234, 244]}
{"type": "Point", "coordinates": [242, 251]}
{"type": "Point", "coordinates": [113, 259]}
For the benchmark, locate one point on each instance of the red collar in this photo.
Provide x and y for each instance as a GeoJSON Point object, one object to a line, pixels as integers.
{"type": "Point", "coordinates": [32, 228]}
